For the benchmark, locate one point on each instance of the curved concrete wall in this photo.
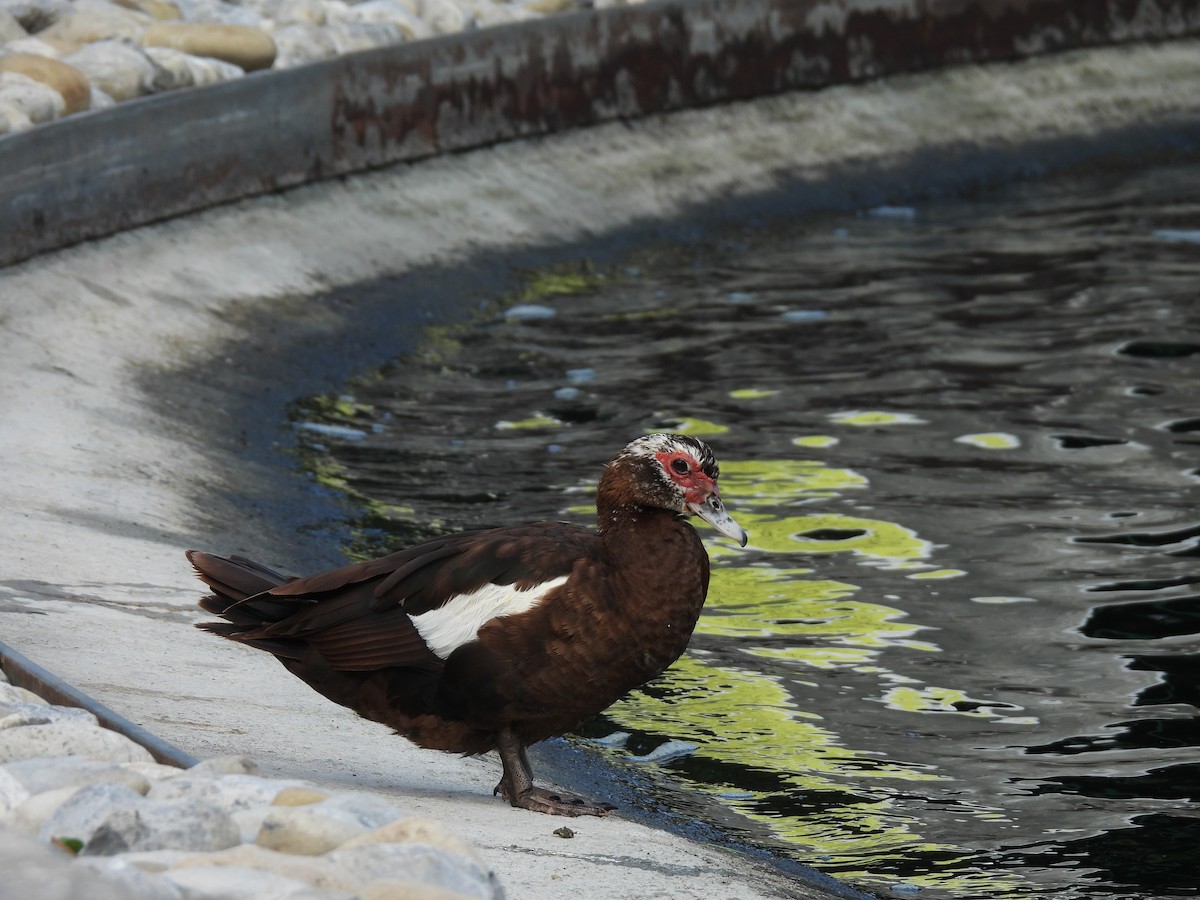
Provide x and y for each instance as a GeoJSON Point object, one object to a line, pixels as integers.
{"type": "Point", "coordinates": [145, 160]}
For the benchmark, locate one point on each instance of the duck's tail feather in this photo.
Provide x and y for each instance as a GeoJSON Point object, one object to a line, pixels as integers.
{"type": "Point", "coordinates": [239, 596]}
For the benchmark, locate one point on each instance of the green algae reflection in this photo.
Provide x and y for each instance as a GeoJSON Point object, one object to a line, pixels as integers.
{"type": "Point", "coordinates": [777, 613]}
{"type": "Point", "coordinates": [772, 482]}
{"type": "Point", "coordinates": [736, 716]}
{"type": "Point", "coordinates": [761, 604]}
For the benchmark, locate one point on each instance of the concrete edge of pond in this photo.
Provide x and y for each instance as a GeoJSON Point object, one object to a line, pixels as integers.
{"type": "Point", "coordinates": [145, 160]}
{"type": "Point", "coordinates": [117, 459]}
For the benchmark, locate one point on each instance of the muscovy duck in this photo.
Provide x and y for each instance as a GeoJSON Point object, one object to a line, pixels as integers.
{"type": "Point", "coordinates": [499, 639]}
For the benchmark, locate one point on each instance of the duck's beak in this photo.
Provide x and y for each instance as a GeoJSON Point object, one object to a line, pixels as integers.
{"type": "Point", "coordinates": [712, 511]}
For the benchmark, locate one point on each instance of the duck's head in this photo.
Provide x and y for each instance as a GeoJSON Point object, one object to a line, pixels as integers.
{"type": "Point", "coordinates": [670, 471]}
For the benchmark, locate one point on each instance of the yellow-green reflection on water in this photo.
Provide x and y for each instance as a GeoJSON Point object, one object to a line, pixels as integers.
{"type": "Point", "coordinates": [815, 440]}
{"type": "Point", "coordinates": [746, 720]}
{"type": "Point", "coordinates": [698, 427]}
{"type": "Point", "coordinates": [995, 440]}
{"type": "Point", "coordinates": [816, 619]}
{"type": "Point", "coordinates": [737, 716]}
{"type": "Point", "coordinates": [752, 394]}
{"type": "Point", "coordinates": [761, 482]}
{"type": "Point", "coordinates": [760, 606]}
{"type": "Point", "coordinates": [866, 418]}
{"type": "Point", "coordinates": [889, 545]}
{"type": "Point", "coordinates": [560, 281]}
{"type": "Point", "coordinates": [939, 573]}
{"type": "Point", "coordinates": [537, 420]}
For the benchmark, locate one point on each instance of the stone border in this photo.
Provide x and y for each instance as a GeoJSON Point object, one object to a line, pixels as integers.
{"type": "Point", "coordinates": [101, 172]}
{"type": "Point", "coordinates": [84, 812]}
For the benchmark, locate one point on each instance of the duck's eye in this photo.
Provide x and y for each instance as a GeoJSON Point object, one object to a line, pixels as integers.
{"type": "Point", "coordinates": [679, 466]}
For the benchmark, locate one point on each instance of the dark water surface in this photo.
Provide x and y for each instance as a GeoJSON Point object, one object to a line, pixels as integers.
{"type": "Point", "coordinates": [959, 656]}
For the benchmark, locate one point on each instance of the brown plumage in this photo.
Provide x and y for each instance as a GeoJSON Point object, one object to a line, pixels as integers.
{"type": "Point", "coordinates": [498, 639]}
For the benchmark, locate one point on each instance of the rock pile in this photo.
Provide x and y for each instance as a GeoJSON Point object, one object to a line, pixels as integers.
{"type": "Point", "coordinates": [85, 812]}
{"type": "Point", "coordinates": [59, 57]}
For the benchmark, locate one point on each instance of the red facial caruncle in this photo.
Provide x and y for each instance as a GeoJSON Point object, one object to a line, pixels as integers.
{"type": "Point", "coordinates": [683, 469]}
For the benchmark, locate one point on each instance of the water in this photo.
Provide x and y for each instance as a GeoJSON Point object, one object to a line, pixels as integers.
{"type": "Point", "coordinates": [958, 657]}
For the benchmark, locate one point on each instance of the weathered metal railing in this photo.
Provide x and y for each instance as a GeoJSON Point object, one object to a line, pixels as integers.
{"type": "Point", "coordinates": [144, 160]}
{"type": "Point", "coordinates": [24, 672]}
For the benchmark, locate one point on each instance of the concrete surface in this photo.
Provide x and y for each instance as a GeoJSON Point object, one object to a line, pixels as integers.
{"type": "Point", "coordinates": [121, 444]}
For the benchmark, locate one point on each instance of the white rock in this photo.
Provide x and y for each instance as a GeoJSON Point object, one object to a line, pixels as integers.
{"type": "Point", "coordinates": [155, 861]}
{"type": "Point", "coordinates": [30, 45]}
{"type": "Point", "coordinates": [23, 712]}
{"type": "Point", "coordinates": [443, 16]}
{"type": "Point", "coordinates": [238, 883]}
{"type": "Point", "coordinates": [403, 889]}
{"type": "Point", "coordinates": [130, 879]}
{"type": "Point", "coordinates": [316, 828]}
{"type": "Point", "coordinates": [307, 830]}
{"type": "Point", "coordinates": [118, 69]}
{"type": "Point", "coordinates": [300, 43]}
{"type": "Point", "coordinates": [314, 870]}
{"type": "Point", "coordinates": [367, 810]}
{"type": "Point", "coordinates": [390, 12]}
{"type": "Point", "coordinates": [483, 13]}
{"type": "Point", "coordinates": [101, 99]}
{"type": "Point", "coordinates": [31, 815]}
{"type": "Point", "coordinates": [184, 70]}
{"type": "Point", "coordinates": [94, 20]}
{"type": "Point", "coordinates": [106, 7]}
{"type": "Point", "coordinates": [147, 825]}
{"type": "Point", "coordinates": [290, 12]}
{"type": "Point", "coordinates": [225, 765]}
{"type": "Point", "coordinates": [12, 118]}
{"type": "Point", "coordinates": [34, 869]}
{"type": "Point", "coordinates": [12, 793]}
{"type": "Point", "coordinates": [417, 830]}
{"type": "Point", "coordinates": [422, 863]}
{"type": "Point", "coordinates": [207, 70]}
{"type": "Point", "coordinates": [10, 693]}
{"type": "Point", "coordinates": [231, 792]}
{"type": "Point", "coordinates": [265, 9]}
{"type": "Point", "coordinates": [68, 739]}
{"type": "Point", "coordinates": [152, 771]}
{"type": "Point", "coordinates": [10, 30]}
{"type": "Point", "coordinates": [249, 822]}
{"type": "Point", "coordinates": [349, 37]}
{"type": "Point", "coordinates": [174, 65]}
{"type": "Point", "coordinates": [86, 809]}
{"type": "Point", "coordinates": [111, 818]}
{"type": "Point", "coordinates": [46, 773]}
{"type": "Point", "coordinates": [36, 15]}
{"type": "Point", "coordinates": [218, 11]}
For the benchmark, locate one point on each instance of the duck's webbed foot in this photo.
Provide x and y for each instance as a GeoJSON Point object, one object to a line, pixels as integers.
{"type": "Point", "coordinates": [544, 801]}
{"type": "Point", "coordinates": [516, 786]}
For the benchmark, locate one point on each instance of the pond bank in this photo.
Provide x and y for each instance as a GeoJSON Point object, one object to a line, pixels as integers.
{"type": "Point", "coordinates": [117, 460]}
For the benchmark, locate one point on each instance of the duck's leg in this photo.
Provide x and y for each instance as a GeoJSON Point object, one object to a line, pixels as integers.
{"type": "Point", "coordinates": [516, 785]}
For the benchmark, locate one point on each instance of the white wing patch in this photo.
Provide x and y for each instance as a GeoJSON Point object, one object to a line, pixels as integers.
{"type": "Point", "coordinates": [458, 620]}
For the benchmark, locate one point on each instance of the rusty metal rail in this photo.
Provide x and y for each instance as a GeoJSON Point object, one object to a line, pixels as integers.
{"type": "Point", "coordinates": [24, 672]}
{"type": "Point", "coordinates": [149, 159]}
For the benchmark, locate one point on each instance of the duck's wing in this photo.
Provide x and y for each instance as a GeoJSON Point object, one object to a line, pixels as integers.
{"type": "Point", "coordinates": [430, 575]}
{"type": "Point", "coordinates": [410, 609]}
